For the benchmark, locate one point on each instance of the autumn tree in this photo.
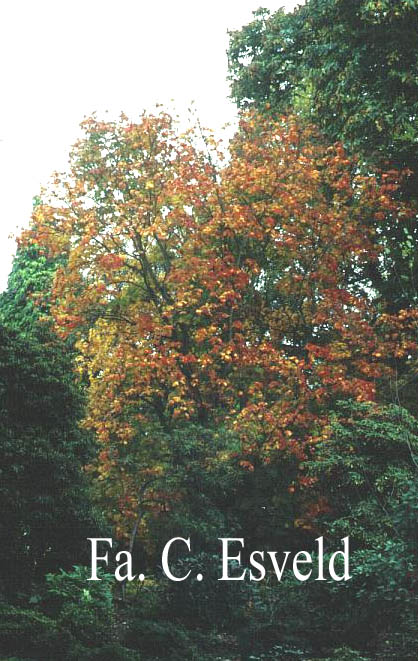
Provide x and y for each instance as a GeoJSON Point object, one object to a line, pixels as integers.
{"type": "Point", "coordinates": [212, 293]}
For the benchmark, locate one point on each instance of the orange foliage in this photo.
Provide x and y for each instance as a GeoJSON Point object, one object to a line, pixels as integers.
{"type": "Point", "coordinates": [215, 293]}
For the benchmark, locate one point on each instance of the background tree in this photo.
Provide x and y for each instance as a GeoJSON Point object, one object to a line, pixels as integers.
{"type": "Point", "coordinates": [30, 278]}
{"type": "Point", "coordinates": [351, 68]}
{"type": "Point", "coordinates": [45, 501]}
{"type": "Point", "coordinates": [368, 472]}
{"type": "Point", "coordinates": [350, 65]}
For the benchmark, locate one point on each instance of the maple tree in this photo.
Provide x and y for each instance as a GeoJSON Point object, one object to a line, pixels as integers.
{"type": "Point", "coordinates": [213, 288]}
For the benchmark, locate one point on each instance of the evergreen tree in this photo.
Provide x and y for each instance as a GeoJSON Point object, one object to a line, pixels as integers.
{"type": "Point", "coordinates": [44, 496]}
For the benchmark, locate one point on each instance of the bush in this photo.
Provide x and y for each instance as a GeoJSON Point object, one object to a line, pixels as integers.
{"type": "Point", "coordinates": [210, 602]}
{"type": "Point", "coordinates": [83, 607]}
{"type": "Point", "coordinates": [163, 640]}
{"type": "Point", "coordinates": [149, 602]}
{"type": "Point", "coordinates": [29, 633]}
{"type": "Point", "coordinates": [110, 652]}
{"type": "Point", "coordinates": [345, 654]}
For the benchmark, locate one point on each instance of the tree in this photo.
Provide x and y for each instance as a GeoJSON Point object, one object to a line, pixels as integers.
{"type": "Point", "coordinates": [368, 472]}
{"type": "Point", "coordinates": [44, 495]}
{"type": "Point", "coordinates": [45, 501]}
{"type": "Point", "coordinates": [365, 469]}
{"type": "Point", "coordinates": [31, 277]}
{"type": "Point", "coordinates": [349, 66]}
{"type": "Point", "coordinates": [212, 294]}
{"type": "Point", "coordinates": [353, 64]}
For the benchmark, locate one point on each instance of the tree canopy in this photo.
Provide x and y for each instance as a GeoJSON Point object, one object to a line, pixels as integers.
{"type": "Point", "coordinates": [350, 67]}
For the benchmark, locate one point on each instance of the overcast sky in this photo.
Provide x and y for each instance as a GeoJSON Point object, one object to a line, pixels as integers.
{"type": "Point", "coordinates": [62, 60]}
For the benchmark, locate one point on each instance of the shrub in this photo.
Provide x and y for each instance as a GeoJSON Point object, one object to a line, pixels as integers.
{"type": "Point", "coordinates": [83, 607]}
{"type": "Point", "coordinates": [109, 652]}
{"type": "Point", "coordinates": [213, 602]}
{"type": "Point", "coordinates": [161, 639]}
{"type": "Point", "coordinates": [29, 633]}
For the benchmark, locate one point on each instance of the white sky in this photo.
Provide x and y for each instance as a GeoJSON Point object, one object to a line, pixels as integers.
{"type": "Point", "coordinates": [62, 60]}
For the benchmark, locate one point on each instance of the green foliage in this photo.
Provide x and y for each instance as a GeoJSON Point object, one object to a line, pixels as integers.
{"type": "Point", "coordinates": [210, 602]}
{"type": "Point", "coordinates": [351, 67]}
{"type": "Point", "coordinates": [354, 62]}
{"type": "Point", "coordinates": [372, 613]}
{"type": "Point", "coordinates": [215, 496]}
{"type": "Point", "coordinates": [345, 654]}
{"type": "Point", "coordinates": [109, 652]}
{"type": "Point", "coordinates": [29, 633]}
{"type": "Point", "coordinates": [33, 635]}
{"type": "Point", "coordinates": [75, 587]}
{"type": "Point", "coordinates": [161, 640]}
{"type": "Point", "coordinates": [83, 607]}
{"type": "Point", "coordinates": [366, 470]}
{"type": "Point", "coordinates": [30, 279]}
{"type": "Point", "coordinates": [266, 60]}
{"type": "Point", "coordinates": [44, 497]}
{"type": "Point", "coordinates": [282, 652]}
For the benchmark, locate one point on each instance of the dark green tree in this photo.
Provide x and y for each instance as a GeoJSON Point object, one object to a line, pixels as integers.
{"type": "Point", "coordinates": [365, 470]}
{"type": "Point", "coordinates": [366, 488]}
{"type": "Point", "coordinates": [44, 497]}
{"type": "Point", "coordinates": [351, 67]}
{"type": "Point", "coordinates": [368, 472]}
